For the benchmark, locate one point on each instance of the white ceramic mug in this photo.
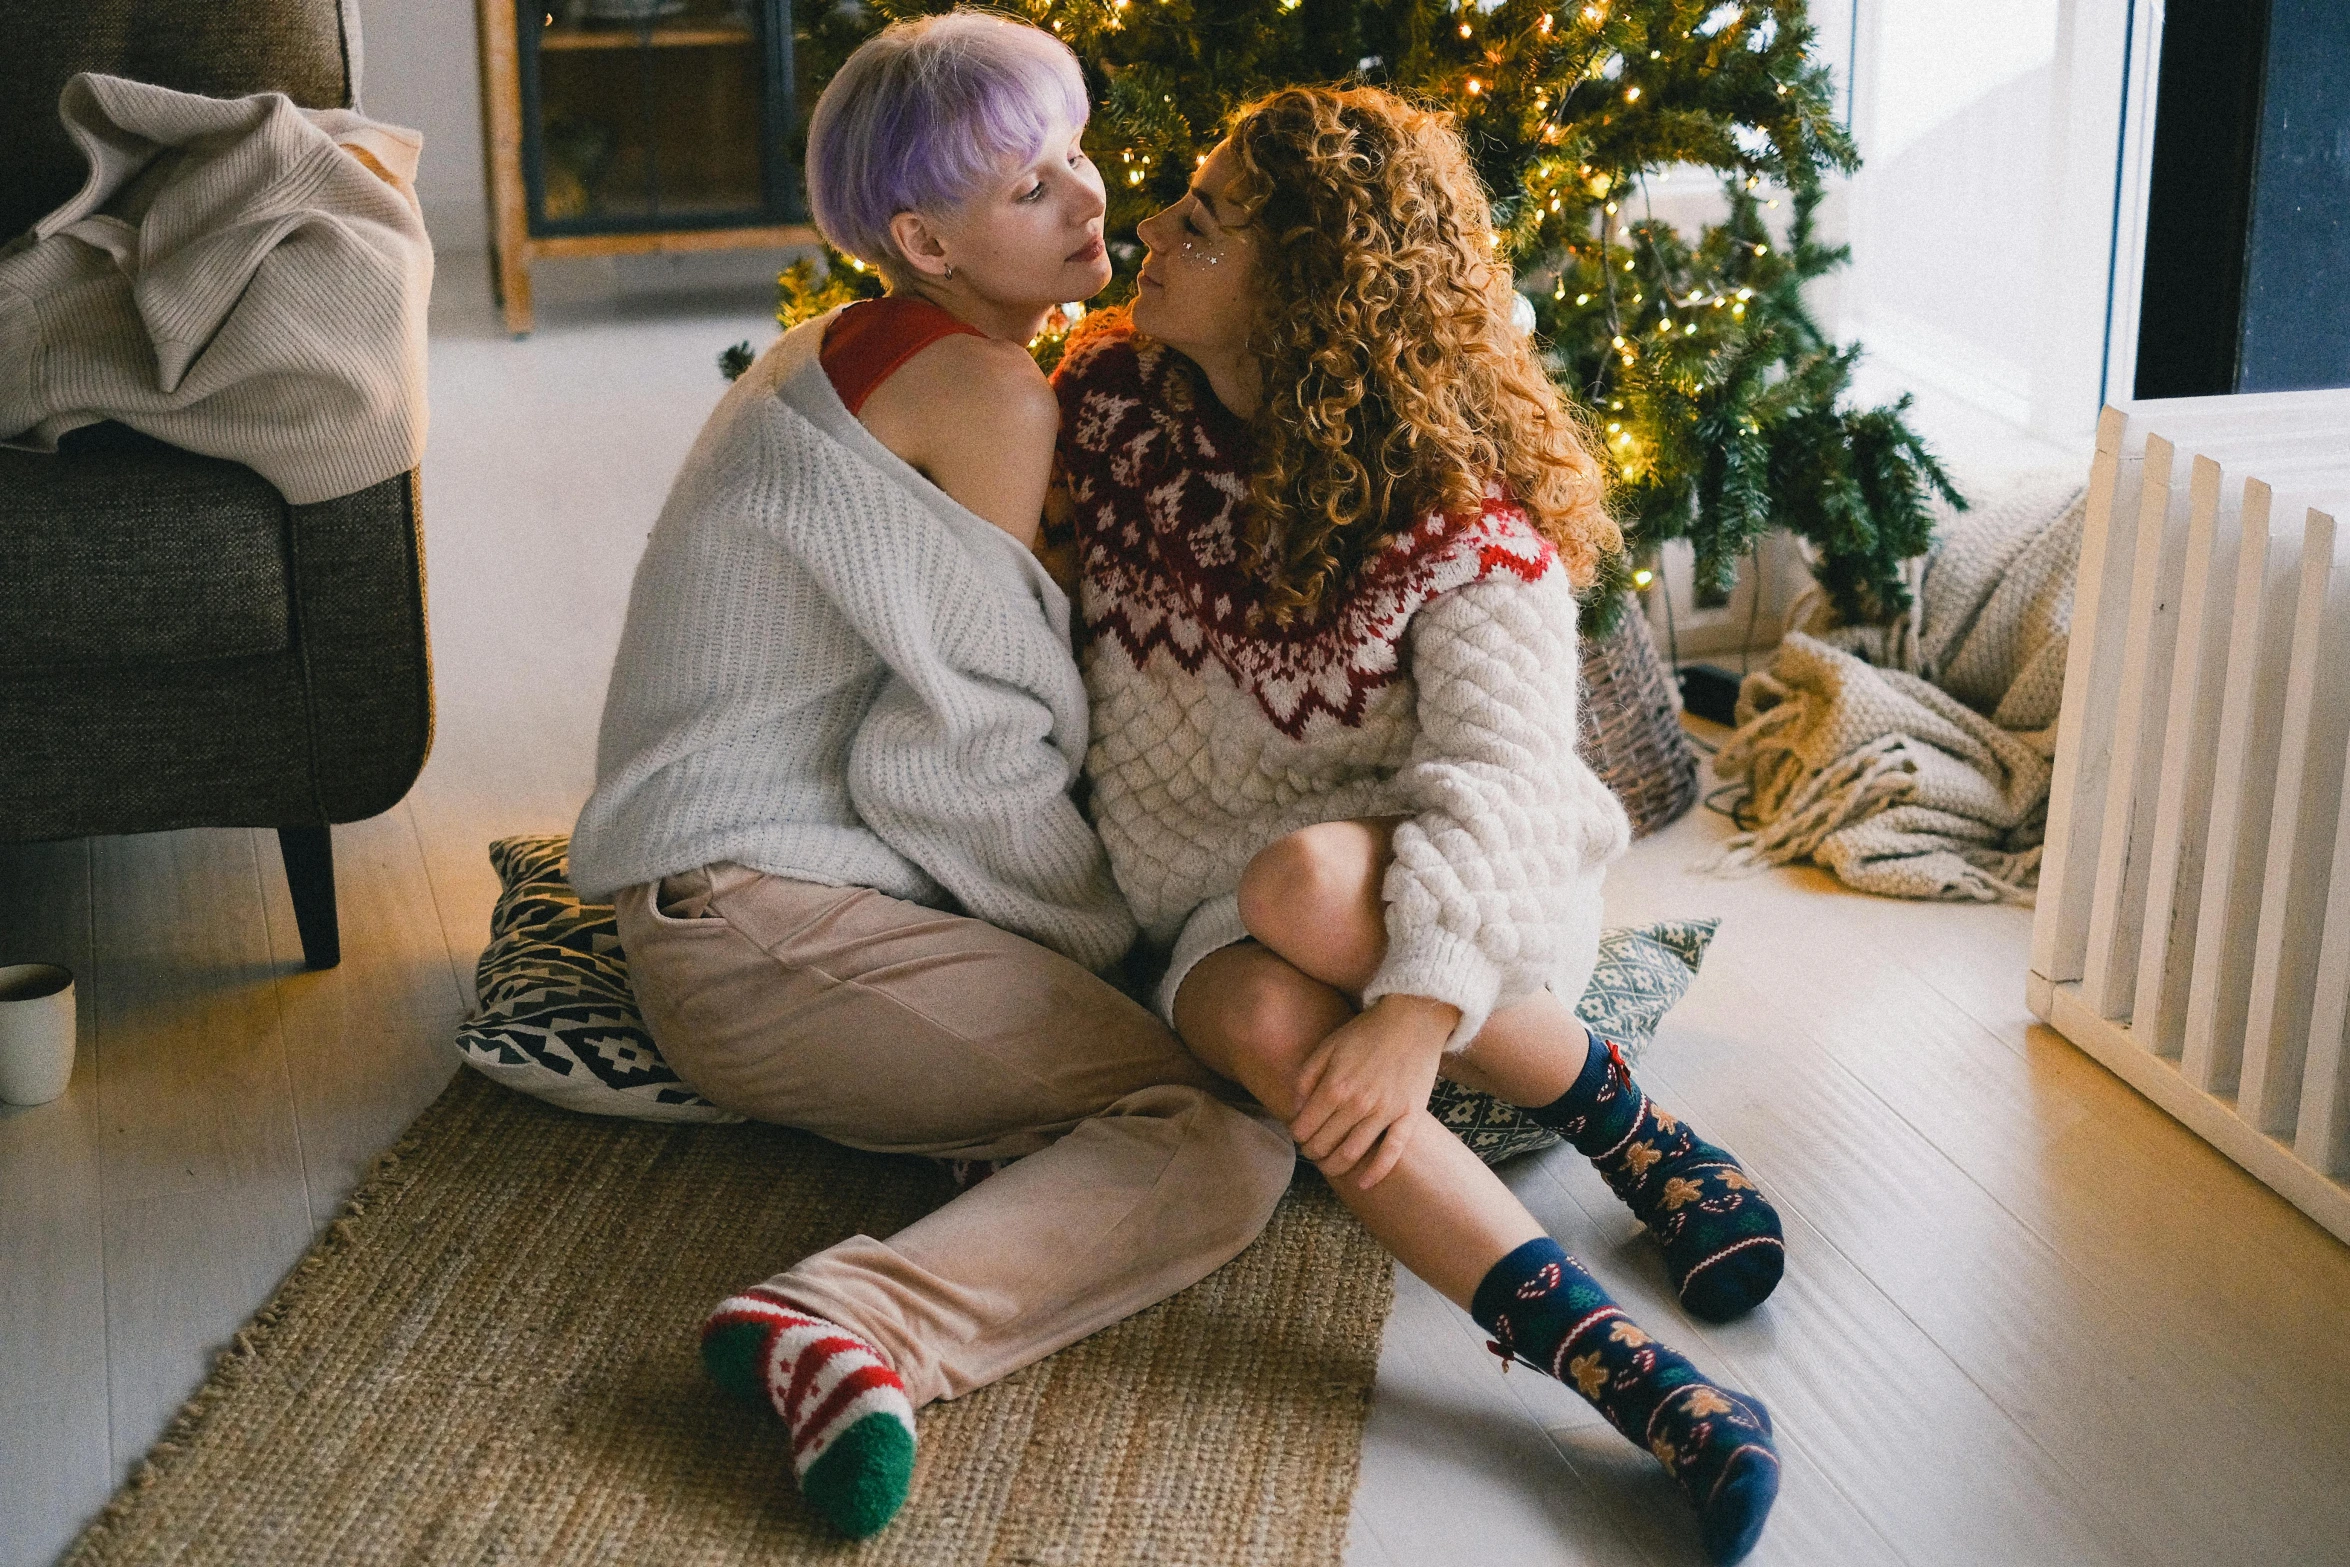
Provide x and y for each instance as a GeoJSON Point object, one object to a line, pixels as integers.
{"type": "Point", "coordinates": [36, 1032]}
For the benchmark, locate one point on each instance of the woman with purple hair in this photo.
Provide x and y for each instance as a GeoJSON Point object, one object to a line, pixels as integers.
{"type": "Point", "coordinates": [832, 799]}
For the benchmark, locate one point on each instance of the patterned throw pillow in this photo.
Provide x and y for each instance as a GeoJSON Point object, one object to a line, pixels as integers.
{"type": "Point", "coordinates": [1641, 973]}
{"type": "Point", "coordinates": [556, 1018]}
{"type": "Point", "coordinates": [557, 1021]}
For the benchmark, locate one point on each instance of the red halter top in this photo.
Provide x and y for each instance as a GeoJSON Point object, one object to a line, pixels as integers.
{"type": "Point", "coordinates": [869, 340]}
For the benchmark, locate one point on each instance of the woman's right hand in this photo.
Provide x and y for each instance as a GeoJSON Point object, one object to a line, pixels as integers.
{"type": "Point", "coordinates": [1364, 1083]}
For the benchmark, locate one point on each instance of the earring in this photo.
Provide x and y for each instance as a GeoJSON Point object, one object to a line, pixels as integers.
{"type": "Point", "coordinates": [950, 277]}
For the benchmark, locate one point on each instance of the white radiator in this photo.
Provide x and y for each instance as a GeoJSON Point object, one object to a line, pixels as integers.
{"type": "Point", "coordinates": [2193, 929]}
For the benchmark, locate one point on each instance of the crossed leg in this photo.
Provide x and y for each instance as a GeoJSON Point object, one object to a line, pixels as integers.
{"type": "Point", "coordinates": [1260, 1011]}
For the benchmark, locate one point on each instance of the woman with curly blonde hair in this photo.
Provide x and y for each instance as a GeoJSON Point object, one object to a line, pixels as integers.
{"type": "Point", "coordinates": [1330, 516]}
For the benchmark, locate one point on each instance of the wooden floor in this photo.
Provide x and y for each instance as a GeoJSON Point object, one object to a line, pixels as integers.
{"type": "Point", "coordinates": [2027, 1318]}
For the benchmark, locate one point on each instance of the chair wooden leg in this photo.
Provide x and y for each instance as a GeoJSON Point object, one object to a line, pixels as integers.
{"type": "Point", "coordinates": [310, 875]}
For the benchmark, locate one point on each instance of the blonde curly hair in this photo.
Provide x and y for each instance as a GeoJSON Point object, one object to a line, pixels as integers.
{"type": "Point", "coordinates": [1397, 382]}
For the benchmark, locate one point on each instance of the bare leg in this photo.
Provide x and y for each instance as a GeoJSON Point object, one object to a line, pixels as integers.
{"type": "Point", "coordinates": [1253, 1017]}
{"type": "Point", "coordinates": [1313, 898]}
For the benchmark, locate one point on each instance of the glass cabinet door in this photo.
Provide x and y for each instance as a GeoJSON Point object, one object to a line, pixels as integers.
{"type": "Point", "coordinates": [655, 114]}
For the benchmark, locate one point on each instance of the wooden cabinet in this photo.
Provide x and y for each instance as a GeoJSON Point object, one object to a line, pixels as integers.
{"type": "Point", "coordinates": [616, 126]}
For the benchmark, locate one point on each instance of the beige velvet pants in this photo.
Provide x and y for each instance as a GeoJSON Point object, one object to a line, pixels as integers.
{"type": "Point", "coordinates": [889, 1026]}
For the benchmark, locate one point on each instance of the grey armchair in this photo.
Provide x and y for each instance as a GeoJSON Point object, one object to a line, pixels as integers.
{"type": "Point", "coordinates": [179, 645]}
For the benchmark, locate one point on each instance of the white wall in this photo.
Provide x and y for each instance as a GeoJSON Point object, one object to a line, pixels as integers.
{"type": "Point", "coordinates": [421, 72]}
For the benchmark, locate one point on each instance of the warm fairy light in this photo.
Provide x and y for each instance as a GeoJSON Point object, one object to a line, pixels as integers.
{"type": "Point", "coordinates": [854, 262]}
{"type": "Point", "coordinates": [1543, 26]}
{"type": "Point", "coordinates": [1611, 208]}
{"type": "Point", "coordinates": [1619, 342]}
{"type": "Point", "coordinates": [1643, 577]}
{"type": "Point", "coordinates": [1475, 87]}
{"type": "Point", "coordinates": [1631, 95]}
{"type": "Point", "coordinates": [1689, 329]}
{"type": "Point", "coordinates": [1666, 325]}
{"type": "Point", "coordinates": [1580, 299]}
{"type": "Point", "coordinates": [1560, 292]}
{"type": "Point", "coordinates": [1627, 266]}
{"type": "Point", "coordinates": [1592, 13]}
{"type": "Point", "coordinates": [1614, 426]}
{"type": "Point", "coordinates": [1746, 293]}
{"type": "Point", "coordinates": [1762, 250]}
{"type": "Point", "coordinates": [1464, 29]}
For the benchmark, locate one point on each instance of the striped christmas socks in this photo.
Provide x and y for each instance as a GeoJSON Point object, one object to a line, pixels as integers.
{"type": "Point", "coordinates": [1542, 1308]}
{"type": "Point", "coordinates": [1721, 1238]}
{"type": "Point", "coordinates": [852, 1428]}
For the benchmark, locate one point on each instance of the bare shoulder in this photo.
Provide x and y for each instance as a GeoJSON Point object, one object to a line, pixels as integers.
{"type": "Point", "coordinates": [978, 419]}
{"type": "Point", "coordinates": [959, 392]}
{"type": "Point", "coordinates": [994, 384]}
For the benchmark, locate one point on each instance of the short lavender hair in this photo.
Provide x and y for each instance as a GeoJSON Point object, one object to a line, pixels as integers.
{"type": "Point", "coordinates": [925, 115]}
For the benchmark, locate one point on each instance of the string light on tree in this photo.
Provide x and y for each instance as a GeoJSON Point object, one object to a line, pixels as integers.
{"type": "Point", "coordinates": [1737, 416]}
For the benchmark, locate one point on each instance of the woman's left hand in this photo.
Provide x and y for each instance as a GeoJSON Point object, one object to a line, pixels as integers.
{"type": "Point", "coordinates": [1362, 1085]}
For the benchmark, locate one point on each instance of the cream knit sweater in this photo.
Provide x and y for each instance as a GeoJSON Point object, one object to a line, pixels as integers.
{"type": "Point", "coordinates": [238, 277]}
{"type": "Point", "coordinates": [1442, 689]}
{"type": "Point", "coordinates": [832, 671]}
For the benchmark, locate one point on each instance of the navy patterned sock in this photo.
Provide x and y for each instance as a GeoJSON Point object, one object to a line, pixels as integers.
{"type": "Point", "coordinates": [1542, 1308]}
{"type": "Point", "coordinates": [1721, 1238]}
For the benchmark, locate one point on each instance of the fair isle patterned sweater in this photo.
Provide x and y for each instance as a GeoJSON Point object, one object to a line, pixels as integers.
{"type": "Point", "coordinates": [1441, 687]}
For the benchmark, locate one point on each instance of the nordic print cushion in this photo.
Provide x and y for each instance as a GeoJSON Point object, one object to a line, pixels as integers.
{"type": "Point", "coordinates": [557, 1020]}
{"type": "Point", "coordinates": [1641, 973]}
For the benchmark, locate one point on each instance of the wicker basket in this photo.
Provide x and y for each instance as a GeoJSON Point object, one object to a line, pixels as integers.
{"type": "Point", "coordinates": [1631, 725]}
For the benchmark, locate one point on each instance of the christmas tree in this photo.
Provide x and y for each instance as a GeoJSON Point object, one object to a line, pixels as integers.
{"type": "Point", "coordinates": [1722, 406]}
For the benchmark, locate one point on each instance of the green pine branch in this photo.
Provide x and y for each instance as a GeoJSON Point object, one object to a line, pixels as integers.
{"type": "Point", "coordinates": [1723, 408]}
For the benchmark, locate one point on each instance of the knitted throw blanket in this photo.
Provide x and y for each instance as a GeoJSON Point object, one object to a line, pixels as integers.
{"type": "Point", "coordinates": [238, 277]}
{"type": "Point", "coordinates": [1915, 762]}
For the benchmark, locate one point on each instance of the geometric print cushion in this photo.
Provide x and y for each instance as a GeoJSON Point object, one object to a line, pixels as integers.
{"type": "Point", "coordinates": [556, 1019]}
{"type": "Point", "coordinates": [1641, 973]}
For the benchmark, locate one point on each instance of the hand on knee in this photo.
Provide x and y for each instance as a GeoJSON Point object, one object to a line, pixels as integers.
{"type": "Point", "coordinates": [1313, 898]}
{"type": "Point", "coordinates": [1255, 1018]}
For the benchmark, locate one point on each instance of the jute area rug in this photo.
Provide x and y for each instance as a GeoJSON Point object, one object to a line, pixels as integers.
{"type": "Point", "coordinates": [491, 1358]}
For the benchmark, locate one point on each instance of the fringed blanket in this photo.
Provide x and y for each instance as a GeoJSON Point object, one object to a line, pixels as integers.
{"type": "Point", "coordinates": [1915, 761]}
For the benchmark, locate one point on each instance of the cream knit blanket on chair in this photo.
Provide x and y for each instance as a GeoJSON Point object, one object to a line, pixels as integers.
{"type": "Point", "coordinates": [1915, 762]}
{"type": "Point", "coordinates": [238, 277]}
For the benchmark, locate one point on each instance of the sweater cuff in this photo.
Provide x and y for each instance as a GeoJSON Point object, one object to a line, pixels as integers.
{"type": "Point", "coordinates": [1435, 963]}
